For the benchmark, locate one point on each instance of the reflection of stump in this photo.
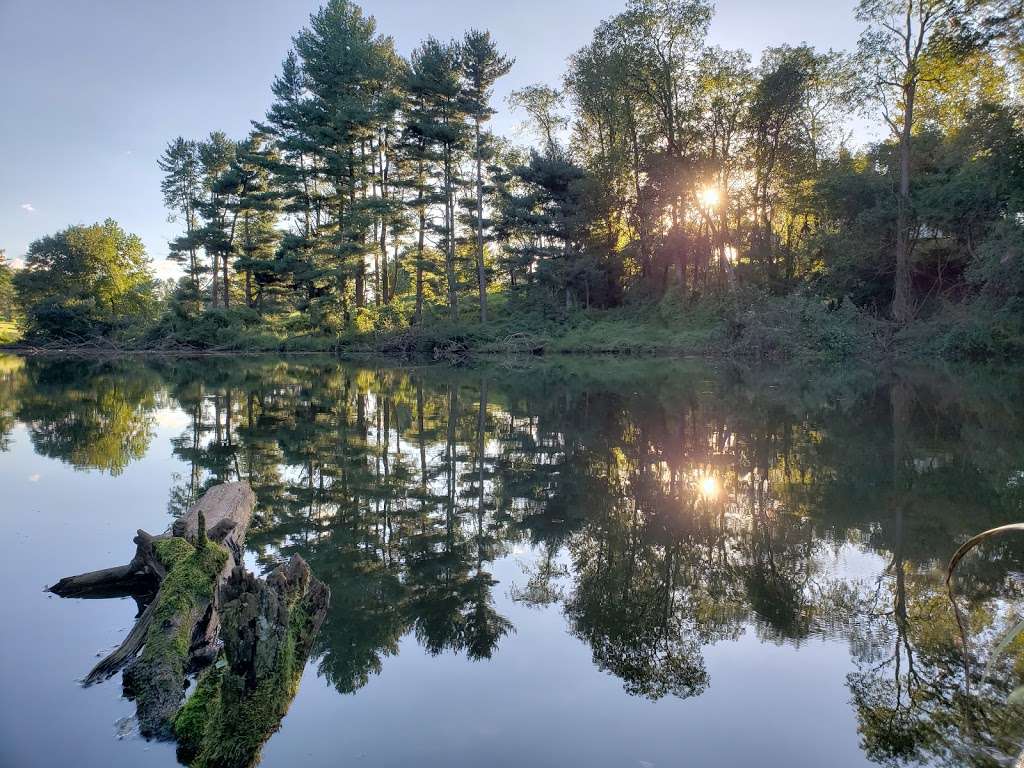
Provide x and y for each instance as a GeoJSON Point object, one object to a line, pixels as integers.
{"type": "Point", "coordinates": [267, 629]}
{"type": "Point", "coordinates": [205, 598]}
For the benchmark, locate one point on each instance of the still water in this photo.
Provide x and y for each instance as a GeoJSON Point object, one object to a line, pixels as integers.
{"type": "Point", "coordinates": [569, 564]}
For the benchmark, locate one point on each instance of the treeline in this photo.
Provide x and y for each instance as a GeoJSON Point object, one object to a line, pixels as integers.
{"type": "Point", "coordinates": [365, 184]}
{"type": "Point", "coordinates": [666, 173]}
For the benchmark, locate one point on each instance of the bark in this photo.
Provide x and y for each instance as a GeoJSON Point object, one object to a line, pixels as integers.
{"type": "Point", "coordinates": [449, 252]}
{"type": "Point", "coordinates": [185, 609]}
{"type": "Point", "coordinates": [268, 630]}
{"type": "Point", "coordinates": [263, 632]}
{"type": "Point", "coordinates": [901, 301]}
{"type": "Point", "coordinates": [481, 276]}
{"type": "Point", "coordinates": [419, 258]}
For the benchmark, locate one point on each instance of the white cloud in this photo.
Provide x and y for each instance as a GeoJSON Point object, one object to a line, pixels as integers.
{"type": "Point", "coordinates": [28, 208]}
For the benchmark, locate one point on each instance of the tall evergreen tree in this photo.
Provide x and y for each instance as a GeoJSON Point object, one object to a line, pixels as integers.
{"type": "Point", "coordinates": [182, 188]}
{"type": "Point", "coordinates": [482, 66]}
{"type": "Point", "coordinates": [435, 85]}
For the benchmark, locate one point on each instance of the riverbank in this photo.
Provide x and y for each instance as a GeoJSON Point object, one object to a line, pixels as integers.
{"type": "Point", "coordinates": [752, 329]}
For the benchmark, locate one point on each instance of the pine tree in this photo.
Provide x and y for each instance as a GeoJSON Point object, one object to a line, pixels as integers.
{"type": "Point", "coordinates": [218, 211]}
{"type": "Point", "coordinates": [293, 175]}
{"type": "Point", "coordinates": [182, 188]}
{"type": "Point", "coordinates": [482, 66]}
{"type": "Point", "coordinates": [346, 67]}
{"type": "Point", "coordinates": [256, 209]}
{"type": "Point", "coordinates": [436, 82]}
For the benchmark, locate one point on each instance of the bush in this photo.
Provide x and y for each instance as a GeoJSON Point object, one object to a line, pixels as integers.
{"type": "Point", "coordinates": [801, 329]}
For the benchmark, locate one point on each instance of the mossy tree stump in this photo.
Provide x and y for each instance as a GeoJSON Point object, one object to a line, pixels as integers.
{"type": "Point", "coordinates": [267, 628]}
{"type": "Point", "coordinates": [179, 630]}
{"type": "Point", "coordinates": [251, 637]}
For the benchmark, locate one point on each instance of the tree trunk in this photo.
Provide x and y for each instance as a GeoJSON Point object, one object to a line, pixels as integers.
{"type": "Point", "coordinates": [188, 563]}
{"type": "Point", "coordinates": [481, 277]}
{"type": "Point", "coordinates": [449, 222]}
{"type": "Point", "coordinates": [419, 260]}
{"type": "Point", "coordinates": [902, 309]}
{"type": "Point", "coordinates": [227, 286]}
{"type": "Point", "coordinates": [266, 628]}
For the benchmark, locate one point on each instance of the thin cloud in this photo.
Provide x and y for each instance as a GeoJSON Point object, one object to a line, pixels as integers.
{"type": "Point", "coordinates": [28, 208]}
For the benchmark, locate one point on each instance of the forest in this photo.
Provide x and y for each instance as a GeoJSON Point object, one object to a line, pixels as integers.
{"type": "Point", "coordinates": [674, 198]}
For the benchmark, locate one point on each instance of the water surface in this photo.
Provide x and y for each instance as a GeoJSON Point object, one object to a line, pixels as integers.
{"type": "Point", "coordinates": [602, 564]}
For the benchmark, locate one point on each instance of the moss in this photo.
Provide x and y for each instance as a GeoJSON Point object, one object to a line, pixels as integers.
{"type": "Point", "coordinates": [172, 551]}
{"type": "Point", "coordinates": [190, 722]}
{"type": "Point", "coordinates": [190, 581]}
{"type": "Point", "coordinates": [223, 725]}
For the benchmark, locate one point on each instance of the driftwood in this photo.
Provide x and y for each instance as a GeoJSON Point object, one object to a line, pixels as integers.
{"type": "Point", "coordinates": [248, 638]}
{"type": "Point", "coordinates": [178, 630]}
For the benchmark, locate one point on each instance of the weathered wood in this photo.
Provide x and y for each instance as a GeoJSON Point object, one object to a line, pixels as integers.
{"type": "Point", "coordinates": [222, 505]}
{"type": "Point", "coordinates": [109, 582]}
{"type": "Point", "coordinates": [157, 680]}
{"type": "Point", "coordinates": [268, 629]}
{"type": "Point", "coordinates": [208, 606]}
{"type": "Point", "coordinates": [124, 652]}
{"type": "Point", "coordinates": [225, 511]}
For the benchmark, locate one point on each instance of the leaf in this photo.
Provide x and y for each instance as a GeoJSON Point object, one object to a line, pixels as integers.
{"type": "Point", "coordinates": [974, 542]}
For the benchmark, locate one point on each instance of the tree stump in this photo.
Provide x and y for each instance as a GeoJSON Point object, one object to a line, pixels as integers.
{"type": "Point", "coordinates": [207, 608]}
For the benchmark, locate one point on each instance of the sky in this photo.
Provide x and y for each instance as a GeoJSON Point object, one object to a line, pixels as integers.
{"type": "Point", "coordinates": [92, 90]}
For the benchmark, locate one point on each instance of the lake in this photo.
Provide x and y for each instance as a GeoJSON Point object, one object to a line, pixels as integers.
{"type": "Point", "coordinates": [555, 563]}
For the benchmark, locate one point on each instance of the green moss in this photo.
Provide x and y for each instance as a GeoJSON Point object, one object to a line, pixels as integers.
{"type": "Point", "coordinates": [172, 551]}
{"type": "Point", "coordinates": [191, 720]}
{"type": "Point", "coordinates": [190, 581]}
{"type": "Point", "coordinates": [223, 725]}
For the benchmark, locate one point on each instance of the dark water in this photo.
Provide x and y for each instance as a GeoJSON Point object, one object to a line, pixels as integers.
{"type": "Point", "coordinates": [606, 564]}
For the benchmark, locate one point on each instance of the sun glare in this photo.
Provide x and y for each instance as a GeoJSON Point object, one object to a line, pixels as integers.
{"type": "Point", "coordinates": [709, 488]}
{"type": "Point", "coordinates": [709, 197]}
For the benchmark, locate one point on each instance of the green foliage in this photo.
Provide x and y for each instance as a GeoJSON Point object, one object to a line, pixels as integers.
{"type": "Point", "coordinates": [670, 180]}
{"type": "Point", "coordinates": [8, 296]}
{"type": "Point", "coordinates": [801, 330]}
{"type": "Point", "coordinates": [9, 332]}
{"type": "Point", "coordinates": [86, 282]}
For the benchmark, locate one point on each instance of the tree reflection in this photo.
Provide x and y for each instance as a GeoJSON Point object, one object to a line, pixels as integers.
{"type": "Point", "coordinates": [659, 522]}
{"type": "Point", "coordinates": [92, 416]}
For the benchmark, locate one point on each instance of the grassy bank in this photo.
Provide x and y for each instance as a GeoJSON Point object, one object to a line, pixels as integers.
{"type": "Point", "coordinates": [9, 332]}
{"type": "Point", "coordinates": [745, 326]}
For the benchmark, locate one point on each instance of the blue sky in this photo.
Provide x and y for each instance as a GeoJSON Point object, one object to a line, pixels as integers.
{"type": "Point", "coordinates": [92, 90]}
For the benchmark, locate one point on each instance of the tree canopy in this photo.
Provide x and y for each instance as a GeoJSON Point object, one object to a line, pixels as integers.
{"type": "Point", "coordinates": [86, 281]}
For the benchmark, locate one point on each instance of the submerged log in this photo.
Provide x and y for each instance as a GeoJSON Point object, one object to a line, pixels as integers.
{"type": "Point", "coordinates": [187, 566]}
{"type": "Point", "coordinates": [121, 581]}
{"type": "Point", "coordinates": [207, 609]}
